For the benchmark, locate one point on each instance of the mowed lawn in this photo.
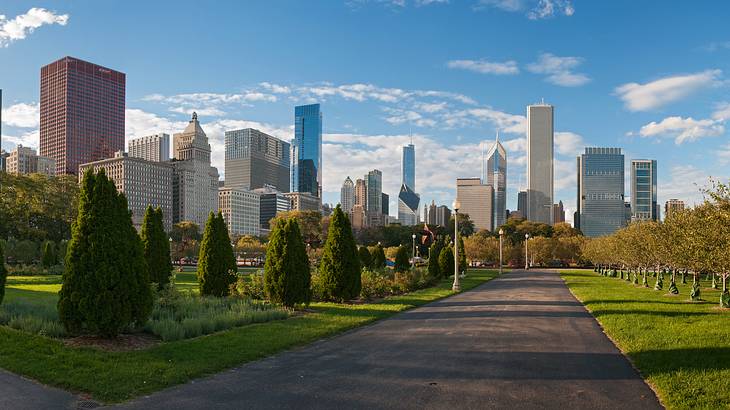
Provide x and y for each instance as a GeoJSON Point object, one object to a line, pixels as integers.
{"type": "Point", "coordinates": [118, 376]}
{"type": "Point", "coordinates": [682, 348]}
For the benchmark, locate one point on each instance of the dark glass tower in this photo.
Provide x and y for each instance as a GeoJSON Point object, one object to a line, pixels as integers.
{"type": "Point", "coordinates": [306, 170]}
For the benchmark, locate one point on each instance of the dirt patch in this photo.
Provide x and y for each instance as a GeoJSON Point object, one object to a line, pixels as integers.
{"type": "Point", "coordinates": [121, 343]}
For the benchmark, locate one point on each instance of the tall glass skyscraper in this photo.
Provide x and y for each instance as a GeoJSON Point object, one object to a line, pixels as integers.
{"type": "Point", "coordinates": [540, 163]}
{"type": "Point", "coordinates": [306, 169]}
{"type": "Point", "coordinates": [600, 201]}
{"type": "Point", "coordinates": [409, 166]}
{"type": "Point", "coordinates": [495, 168]}
{"type": "Point", "coordinates": [643, 190]}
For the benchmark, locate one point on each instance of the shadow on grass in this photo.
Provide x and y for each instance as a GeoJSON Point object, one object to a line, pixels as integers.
{"type": "Point", "coordinates": [657, 362]}
{"type": "Point", "coordinates": [33, 296]}
{"type": "Point", "coordinates": [506, 303]}
{"type": "Point", "coordinates": [602, 312]}
{"type": "Point", "coordinates": [678, 301]}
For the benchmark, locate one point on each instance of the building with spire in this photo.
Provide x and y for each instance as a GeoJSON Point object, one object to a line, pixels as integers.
{"type": "Point", "coordinates": [347, 195]}
{"type": "Point", "coordinates": [495, 174]}
{"type": "Point", "coordinates": [408, 199]}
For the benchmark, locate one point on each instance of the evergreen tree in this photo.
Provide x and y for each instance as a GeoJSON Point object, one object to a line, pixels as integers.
{"type": "Point", "coordinates": [48, 256]}
{"type": "Point", "coordinates": [433, 258]}
{"type": "Point", "coordinates": [3, 273]}
{"type": "Point", "coordinates": [401, 260]}
{"type": "Point", "coordinates": [287, 278]}
{"type": "Point", "coordinates": [216, 263]}
{"type": "Point", "coordinates": [378, 257]}
{"type": "Point", "coordinates": [446, 261]}
{"type": "Point", "coordinates": [366, 260]}
{"type": "Point", "coordinates": [462, 255]}
{"type": "Point", "coordinates": [156, 248]}
{"type": "Point", "coordinates": [340, 264]}
{"type": "Point", "coordinates": [61, 252]}
{"type": "Point", "coordinates": [105, 284]}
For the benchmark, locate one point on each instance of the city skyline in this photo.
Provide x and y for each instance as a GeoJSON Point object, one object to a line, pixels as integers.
{"type": "Point", "coordinates": [663, 103]}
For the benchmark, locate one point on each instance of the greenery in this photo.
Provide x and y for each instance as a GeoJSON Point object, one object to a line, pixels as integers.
{"type": "Point", "coordinates": [680, 347]}
{"type": "Point", "coordinates": [48, 258]}
{"type": "Point", "coordinates": [3, 274]}
{"type": "Point", "coordinates": [310, 225]}
{"type": "Point", "coordinates": [105, 284]}
{"type": "Point", "coordinates": [433, 257]}
{"type": "Point", "coordinates": [378, 257]}
{"type": "Point", "coordinates": [446, 261]}
{"type": "Point", "coordinates": [366, 259]}
{"type": "Point", "coordinates": [185, 237]}
{"type": "Point", "coordinates": [462, 255]}
{"type": "Point", "coordinates": [339, 269]}
{"type": "Point", "coordinates": [287, 279]}
{"type": "Point", "coordinates": [401, 260]}
{"type": "Point", "coordinates": [156, 248]}
{"type": "Point", "coordinates": [216, 264]}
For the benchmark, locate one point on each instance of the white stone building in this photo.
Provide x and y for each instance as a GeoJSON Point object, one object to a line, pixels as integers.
{"type": "Point", "coordinates": [240, 209]}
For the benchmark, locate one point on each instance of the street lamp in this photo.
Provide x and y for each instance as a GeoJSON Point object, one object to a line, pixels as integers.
{"type": "Point", "coordinates": [413, 250]}
{"type": "Point", "coordinates": [501, 233]}
{"type": "Point", "coordinates": [527, 236]}
{"type": "Point", "coordinates": [456, 286]}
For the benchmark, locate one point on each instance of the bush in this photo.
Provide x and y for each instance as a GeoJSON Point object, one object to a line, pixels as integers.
{"type": "Point", "coordinates": [446, 261]}
{"type": "Point", "coordinates": [378, 257]}
{"type": "Point", "coordinates": [374, 285]}
{"type": "Point", "coordinates": [462, 255]}
{"type": "Point", "coordinates": [217, 269]}
{"type": "Point", "coordinates": [3, 274]}
{"type": "Point", "coordinates": [48, 257]}
{"type": "Point", "coordinates": [340, 266]}
{"type": "Point", "coordinates": [156, 248]}
{"type": "Point", "coordinates": [366, 259]}
{"type": "Point", "coordinates": [287, 278]}
{"type": "Point", "coordinates": [401, 260]}
{"type": "Point", "coordinates": [251, 286]}
{"type": "Point", "coordinates": [34, 270]}
{"type": "Point", "coordinates": [433, 258]}
{"type": "Point", "coordinates": [33, 318]}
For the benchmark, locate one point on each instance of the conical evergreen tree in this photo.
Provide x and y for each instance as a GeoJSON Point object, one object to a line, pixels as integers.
{"type": "Point", "coordinates": [366, 259]}
{"type": "Point", "coordinates": [156, 247]}
{"type": "Point", "coordinates": [105, 285]}
{"type": "Point", "coordinates": [446, 261]}
{"type": "Point", "coordinates": [287, 278]}
{"type": "Point", "coordinates": [433, 258]}
{"type": "Point", "coordinates": [462, 255]}
{"type": "Point", "coordinates": [216, 262]}
{"type": "Point", "coordinates": [48, 256]}
{"type": "Point", "coordinates": [378, 257]}
{"type": "Point", "coordinates": [340, 264]}
{"type": "Point", "coordinates": [3, 273]}
{"type": "Point", "coordinates": [401, 260]}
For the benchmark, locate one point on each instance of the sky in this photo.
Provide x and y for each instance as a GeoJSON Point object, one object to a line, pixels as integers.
{"type": "Point", "coordinates": [650, 77]}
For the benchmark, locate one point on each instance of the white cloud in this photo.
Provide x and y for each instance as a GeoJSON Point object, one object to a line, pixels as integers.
{"type": "Point", "coordinates": [568, 143]}
{"type": "Point", "coordinates": [509, 123]}
{"type": "Point", "coordinates": [27, 139]}
{"type": "Point", "coordinates": [275, 88]}
{"type": "Point", "coordinates": [655, 94]}
{"type": "Point", "coordinates": [485, 67]}
{"type": "Point", "coordinates": [534, 9]}
{"type": "Point", "coordinates": [206, 112]}
{"type": "Point", "coordinates": [22, 115]}
{"type": "Point", "coordinates": [717, 45]}
{"type": "Point", "coordinates": [24, 24]}
{"type": "Point", "coordinates": [722, 112]}
{"type": "Point", "coordinates": [682, 129]}
{"type": "Point", "coordinates": [559, 70]}
{"type": "Point", "coordinates": [723, 154]}
{"type": "Point", "coordinates": [686, 182]}
{"type": "Point", "coordinates": [399, 116]}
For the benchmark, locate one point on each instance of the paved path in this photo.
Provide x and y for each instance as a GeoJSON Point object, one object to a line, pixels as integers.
{"type": "Point", "coordinates": [520, 341]}
{"type": "Point", "coordinates": [19, 393]}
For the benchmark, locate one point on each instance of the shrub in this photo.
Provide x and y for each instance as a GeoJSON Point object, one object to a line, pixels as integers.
{"type": "Point", "coordinates": [48, 257]}
{"type": "Point", "coordinates": [216, 263]}
{"type": "Point", "coordinates": [446, 261]}
{"type": "Point", "coordinates": [462, 255]}
{"type": "Point", "coordinates": [366, 259]}
{"type": "Point", "coordinates": [433, 258]}
{"type": "Point", "coordinates": [378, 257]}
{"type": "Point", "coordinates": [401, 260]}
{"type": "Point", "coordinates": [33, 318]}
{"type": "Point", "coordinates": [3, 274]}
{"type": "Point", "coordinates": [251, 286]}
{"type": "Point", "coordinates": [340, 265]}
{"type": "Point", "coordinates": [374, 285]}
{"type": "Point", "coordinates": [156, 247]}
{"type": "Point", "coordinates": [105, 285]}
{"type": "Point", "coordinates": [287, 278]}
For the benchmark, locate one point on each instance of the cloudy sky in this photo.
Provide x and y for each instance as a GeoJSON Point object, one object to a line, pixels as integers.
{"type": "Point", "coordinates": [650, 77]}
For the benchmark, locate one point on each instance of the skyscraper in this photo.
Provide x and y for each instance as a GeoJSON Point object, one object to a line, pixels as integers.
{"type": "Point", "coordinates": [409, 166]}
{"type": "Point", "coordinates": [540, 163]}
{"type": "Point", "coordinates": [522, 203]}
{"type": "Point", "coordinates": [82, 113]}
{"type": "Point", "coordinates": [255, 159]}
{"type": "Point", "coordinates": [347, 195]}
{"type": "Point", "coordinates": [558, 213]}
{"type": "Point", "coordinates": [361, 194]}
{"type": "Point", "coordinates": [385, 203]}
{"type": "Point", "coordinates": [496, 175]}
{"type": "Point", "coordinates": [374, 184]}
{"type": "Point", "coordinates": [306, 169]}
{"type": "Point", "coordinates": [600, 200]}
{"type": "Point", "coordinates": [643, 190]}
{"type": "Point", "coordinates": [476, 201]}
{"type": "Point", "coordinates": [152, 148]}
{"type": "Point", "coordinates": [671, 206]}
{"type": "Point", "coordinates": [23, 161]}
{"type": "Point", "coordinates": [408, 206]}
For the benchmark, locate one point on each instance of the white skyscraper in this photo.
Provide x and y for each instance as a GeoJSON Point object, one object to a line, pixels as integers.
{"type": "Point", "coordinates": [154, 148]}
{"type": "Point", "coordinates": [347, 195]}
{"type": "Point", "coordinates": [495, 174]}
{"type": "Point", "coordinates": [540, 163]}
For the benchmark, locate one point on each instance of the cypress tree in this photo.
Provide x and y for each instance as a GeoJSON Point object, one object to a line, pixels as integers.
{"type": "Point", "coordinates": [433, 258]}
{"type": "Point", "coordinates": [401, 260]}
{"type": "Point", "coordinates": [378, 257]}
{"type": "Point", "coordinates": [61, 252]}
{"type": "Point", "coordinates": [3, 273]}
{"type": "Point", "coordinates": [366, 260]}
{"type": "Point", "coordinates": [287, 278]}
{"type": "Point", "coordinates": [446, 261]}
{"type": "Point", "coordinates": [105, 284]}
{"type": "Point", "coordinates": [48, 256]}
{"type": "Point", "coordinates": [216, 263]}
{"type": "Point", "coordinates": [340, 264]}
{"type": "Point", "coordinates": [156, 248]}
{"type": "Point", "coordinates": [462, 255]}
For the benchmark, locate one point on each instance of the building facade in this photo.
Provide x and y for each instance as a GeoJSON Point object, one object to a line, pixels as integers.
{"type": "Point", "coordinates": [408, 206]}
{"type": "Point", "coordinates": [374, 207]}
{"type": "Point", "coordinates": [495, 166]}
{"type": "Point", "coordinates": [600, 191]}
{"type": "Point", "coordinates": [385, 203]}
{"type": "Point", "coordinates": [240, 209]}
{"type": "Point", "coordinates": [255, 159]}
{"type": "Point", "coordinates": [673, 205]}
{"type": "Point", "coordinates": [409, 166]}
{"type": "Point", "coordinates": [144, 183]}
{"type": "Point", "coordinates": [558, 213]}
{"type": "Point", "coordinates": [306, 168]}
{"type": "Point", "coordinates": [476, 200]}
{"type": "Point", "coordinates": [347, 195]}
{"type": "Point", "coordinates": [271, 203]}
{"type": "Point", "coordinates": [24, 161]}
{"type": "Point", "coordinates": [304, 201]}
{"type": "Point", "coordinates": [644, 205]}
{"type": "Point", "coordinates": [438, 215]}
{"type": "Point", "coordinates": [540, 138]}
{"type": "Point", "coordinates": [154, 148]}
{"type": "Point", "coordinates": [81, 113]}
{"type": "Point", "coordinates": [357, 217]}
{"type": "Point", "coordinates": [522, 203]}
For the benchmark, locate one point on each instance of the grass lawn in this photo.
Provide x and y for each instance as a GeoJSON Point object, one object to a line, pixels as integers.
{"type": "Point", "coordinates": [681, 348]}
{"type": "Point", "coordinates": [117, 376]}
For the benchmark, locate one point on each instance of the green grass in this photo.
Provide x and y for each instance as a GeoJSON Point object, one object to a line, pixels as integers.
{"type": "Point", "coordinates": [117, 376]}
{"type": "Point", "coordinates": [682, 348]}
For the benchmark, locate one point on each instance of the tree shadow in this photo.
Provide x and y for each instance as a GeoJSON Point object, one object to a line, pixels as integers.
{"type": "Point", "coordinates": [505, 303]}
{"type": "Point", "coordinates": [657, 362]}
{"type": "Point", "coordinates": [601, 312]}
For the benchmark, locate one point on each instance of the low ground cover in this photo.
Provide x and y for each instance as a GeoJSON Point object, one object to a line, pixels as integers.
{"type": "Point", "coordinates": [682, 348]}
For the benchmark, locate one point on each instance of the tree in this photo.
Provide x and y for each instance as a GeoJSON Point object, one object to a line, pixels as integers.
{"type": "Point", "coordinates": [433, 258]}
{"type": "Point", "coordinates": [61, 252]}
{"type": "Point", "coordinates": [216, 263]}
{"type": "Point", "coordinates": [401, 260]}
{"type": "Point", "coordinates": [287, 279]}
{"type": "Point", "coordinates": [310, 224]}
{"type": "Point", "coordinates": [466, 225]}
{"type": "Point", "coordinates": [156, 248]}
{"type": "Point", "coordinates": [105, 284]}
{"type": "Point", "coordinates": [340, 265]}
{"type": "Point", "coordinates": [366, 259]}
{"type": "Point", "coordinates": [462, 256]}
{"type": "Point", "coordinates": [48, 258]}
{"type": "Point", "coordinates": [446, 261]}
{"type": "Point", "coordinates": [3, 274]}
{"type": "Point", "coordinates": [378, 257]}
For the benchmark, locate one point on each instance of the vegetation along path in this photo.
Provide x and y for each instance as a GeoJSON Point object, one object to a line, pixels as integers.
{"type": "Point", "coordinates": [521, 340]}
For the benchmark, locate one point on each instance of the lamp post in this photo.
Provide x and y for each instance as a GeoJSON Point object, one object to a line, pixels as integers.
{"type": "Point", "coordinates": [456, 286]}
{"type": "Point", "coordinates": [501, 234]}
{"type": "Point", "coordinates": [171, 247]}
{"type": "Point", "coordinates": [527, 237]}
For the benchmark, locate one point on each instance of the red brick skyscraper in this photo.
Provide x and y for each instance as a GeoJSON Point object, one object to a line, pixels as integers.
{"type": "Point", "coordinates": [82, 113]}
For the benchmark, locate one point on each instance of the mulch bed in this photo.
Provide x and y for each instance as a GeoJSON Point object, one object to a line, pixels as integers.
{"type": "Point", "coordinates": [121, 343]}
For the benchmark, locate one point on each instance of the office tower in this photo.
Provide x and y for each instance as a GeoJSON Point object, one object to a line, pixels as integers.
{"type": "Point", "coordinates": [476, 201]}
{"type": "Point", "coordinates": [255, 159]}
{"type": "Point", "coordinates": [522, 203]}
{"type": "Point", "coordinates": [495, 165]}
{"type": "Point", "coordinates": [23, 161]}
{"type": "Point", "coordinates": [306, 169]}
{"type": "Point", "coordinates": [409, 166]}
{"type": "Point", "coordinates": [540, 163]}
{"type": "Point", "coordinates": [408, 206]}
{"type": "Point", "coordinates": [152, 147]}
{"type": "Point", "coordinates": [82, 113]}
{"type": "Point", "coordinates": [443, 215]}
{"type": "Point", "coordinates": [671, 206]}
{"type": "Point", "coordinates": [144, 183]}
{"type": "Point", "coordinates": [643, 190]}
{"type": "Point", "coordinates": [374, 188]}
{"type": "Point", "coordinates": [195, 182]}
{"type": "Point", "coordinates": [558, 213]}
{"type": "Point", "coordinates": [357, 217]}
{"type": "Point", "coordinates": [347, 195]}
{"type": "Point", "coordinates": [385, 203]}
{"type": "Point", "coordinates": [600, 199]}
{"type": "Point", "coordinates": [430, 214]}
{"type": "Point", "coordinates": [361, 193]}
{"type": "Point", "coordinates": [304, 201]}
{"type": "Point", "coordinates": [271, 203]}
{"type": "Point", "coordinates": [240, 209]}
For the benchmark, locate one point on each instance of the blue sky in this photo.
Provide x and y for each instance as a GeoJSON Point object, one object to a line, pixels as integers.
{"type": "Point", "coordinates": [650, 77]}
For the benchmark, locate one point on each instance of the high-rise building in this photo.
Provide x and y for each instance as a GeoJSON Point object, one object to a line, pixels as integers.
{"type": "Point", "coordinates": [409, 166]}
{"type": "Point", "coordinates": [23, 161]}
{"type": "Point", "coordinates": [438, 215]}
{"type": "Point", "coordinates": [408, 206]}
{"type": "Point", "coordinates": [271, 202]}
{"type": "Point", "coordinates": [361, 193]}
{"type": "Point", "coordinates": [540, 163]}
{"type": "Point", "coordinates": [495, 167]}
{"type": "Point", "coordinates": [304, 201]}
{"type": "Point", "coordinates": [600, 193]}
{"type": "Point", "coordinates": [374, 185]}
{"type": "Point", "coordinates": [430, 213]}
{"type": "Point", "coordinates": [671, 206]}
{"type": "Point", "coordinates": [195, 182]}
{"type": "Point", "coordinates": [385, 203]}
{"type": "Point", "coordinates": [347, 195]}
{"type": "Point", "coordinates": [558, 213]}
{"type": "Point", "coordinates": [144, 183]}
{"type": "Point", "coordinates": [522, 203]}
{"type": "Point", "coordinates": [357, 217]}
{"type": "Point", "coordinates": [240, 209]}
{"type": "Point", "coordinates": [306, 169]}
{"type": "Point", "coordinates": [152, 147]}
{"type": "Point", "coordinates": [255, 159]}
{"type": "Point", "coordinates": [476, 201]}
{"type": "Point", "coordinates": [82, 113]}
{"type": "Point", "coordinates": [644, 190]}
